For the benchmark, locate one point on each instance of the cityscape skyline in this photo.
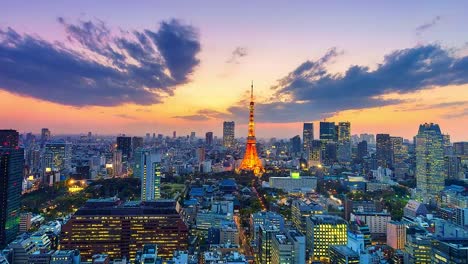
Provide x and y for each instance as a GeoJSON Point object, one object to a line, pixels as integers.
{"type": "Point", "coordinates": [304, 87]}
{"type": "Point", "coordinates": [209, 132]}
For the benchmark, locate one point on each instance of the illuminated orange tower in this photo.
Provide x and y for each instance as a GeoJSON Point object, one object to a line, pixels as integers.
{"type": "Point", "coordinates": [251, 162]}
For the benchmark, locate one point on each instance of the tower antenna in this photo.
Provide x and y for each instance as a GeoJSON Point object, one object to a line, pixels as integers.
{"type": "Point", "coordinates": [251, 92]}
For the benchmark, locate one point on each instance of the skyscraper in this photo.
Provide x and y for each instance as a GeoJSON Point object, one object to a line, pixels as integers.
{"type": "Point", "coordinates": [327, 131]}
{"type": "Point", "coordinates": [384, 150]}
{"type": "Point", "coordinates": [124, 144]}
{"type": "Point", "coordinates": [251, 162]}
{"type": "Point", "coordinates": [398, 157]}
{"type": "Point", "coordinates": [209, 138]}
{"type": "Point", "coordinates": [117, 163]}
{"type": "Point", "coordinates": [362, 150]}
{"type": "Point", "coordinates": [11, 177]}
{"type": "Point", "coordinates": [9, 138]}
{"type": "Point", "coordinates": [307, 136]}
{"type": "Point", "coordinates": [149, 173]}
{"type": "Point", "coordinates": [228, 134]}
{"type": "Point", "coordinates": [45, 135]}
{"type": "Point", "coordinates": [296, 145]}
{"type": "Point", "coordinates": [137, 142]}
{"type": "Point", "coordinates": [315, 153]}
{"type": "Point", "coordinates": [344, 142]}
{"type": "Point", "coordinates": [60, 154]}
{"type": "Point", "coordinates": [429, 161]}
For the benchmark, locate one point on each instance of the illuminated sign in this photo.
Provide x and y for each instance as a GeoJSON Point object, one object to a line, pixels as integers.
{"type": "Point", "coordinates": [295, 175]}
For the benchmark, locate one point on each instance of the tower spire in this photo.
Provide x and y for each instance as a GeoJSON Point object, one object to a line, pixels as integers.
{"type": "Point", "coordinates": [251, 92]}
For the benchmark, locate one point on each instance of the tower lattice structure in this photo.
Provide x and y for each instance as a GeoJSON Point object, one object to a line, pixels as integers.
{"type": "Point", "coordinates": [251, 162]}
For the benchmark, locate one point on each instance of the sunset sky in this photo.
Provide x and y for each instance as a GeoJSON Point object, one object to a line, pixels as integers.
{"type": "Point", "coordinates": [133, 67]}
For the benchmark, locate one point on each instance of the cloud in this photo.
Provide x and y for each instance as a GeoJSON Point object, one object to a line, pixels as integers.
{"type": "Point", "coordinates": [196, 117]}
{"type": "Point", "coordinates": [426, 26]}
{"type": "Point", "coordinates": [97, 67]}
{"type": "Point", "coordinates": [125, 116]}
{"type": "Point", "coordinates": [419, 107]}
{"type": "Point", "coordinates": [459, 114]}
{"type": "Point", "coordinates": [236, 54]}
{"type": "Point", "coordinates": [203, 115]}
{"type": "Point", "coordinates": [311, 92]}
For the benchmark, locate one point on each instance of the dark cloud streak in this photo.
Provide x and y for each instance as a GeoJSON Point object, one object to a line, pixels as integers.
{"type": "Point", "coordinates": [311, 92]}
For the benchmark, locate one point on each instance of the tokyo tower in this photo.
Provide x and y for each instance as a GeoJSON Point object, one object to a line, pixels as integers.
{"type": "Point", "coordinates": [251, 162]}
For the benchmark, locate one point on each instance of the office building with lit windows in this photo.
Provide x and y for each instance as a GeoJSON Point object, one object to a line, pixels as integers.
{"type": "Point", "coordinates": [343, 255]}
{"type": "Point", "coordinates": [267, 234]}
{"type": "Point", "coordinates": [430, 162]}
{"type": "Point", "coordinates": [344, 142]}
{"type": "Point", "coordinates": [288, 248]}
{"type": "Point", "coordinates": [327, 131]}
{"type": "Point", "coordinates": [60, 154]}
{"type": "Point", "coordinates": [228, 134]}
{"type": "Point", "coordinates": [323, 231]}
{"type": "Point", "coordinates": [149, 171]}
{"type": "Point", "coordinates": [307, 136]}
{"type": "Point", "coordinates": [396, 234]}
{"type": "Point", "coordinates": [384, 150]}
{"type": "Point", "coordinates": [118, 229]}
{"type": "Point", "coordinates": [11, 177]}
{"type": "Point", "coordinates": [301, 210]}
{"type": "Point", "coordinates": [9, 138]}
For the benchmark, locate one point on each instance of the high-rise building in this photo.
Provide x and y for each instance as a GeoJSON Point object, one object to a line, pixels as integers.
{"type": "Point", "coordinates": [117, 163]}
{"type": "Point", "coordinates": [322, 232]}
{"type": "Point", "coordinates": [418, 249]}
{"type": "Point", "coordinates": [60, 153]}
{"type": "Point", "coordinates": [384, 151]}
{"type": "Point", "coordinates": [11, 177]}
{"type": "Point", "coordinates": [315, 153]}
{"type": "Point", "coordinates": [450, 251]}
{"type": "Point", "coordinates": [251, 161]}
{"type": "Point", "coordinates": [399, 155]}
{"type": "Point", "coordinates": [265, 242]}
{"type": "Point", "coordinates": [460, 148]}
{"type": "Point", "coordinates": [124, 144]}
{"type": "Point", "coordinates": [137, 142]}
{"type": "Point", "coordinates": [362, 150]}
{"type": "Point", "coordinates": [301, 210]}
{"type": "Point", "coordinates": [296, 145]}
{"type": "Point", "coordinates": [265, 218]}
{"type": "Point", "coordinates": [228, 134]}
{"type": "Point", "coordinates": [150, 169]}
{"type": "Point", "coordinates": [9, 138]}
{"type": "Point", "coordinates": [396, 234]}
{"type": "Point", "coordinates": [124, 228]}
{"type": "Point", "coordinates": [209, 138]}
{"type": "Point", "coordinates": [344, 142]}
{"type": "Point", "coordinates": [201, 155]}
{"type": "Point", "coordinates": [330, 152]}
{"type": "Point", "coordinates": [327, 131]}
{"type": "Point", "coordinates": [343, 255]}
{"type": "Point", "coordinates": [288, 248]}
{"type": "Point", "coordinates": [429, 161]}
{"type": "Point", "coordinates": [307, 136]}
{"type": "Point", "coordinates": [453, 167]}
{"type": "Point", "coordinates": [192, 136]}
{"type": "Point", "coordinates": [359, 236]}
{"type": "Point", "coordinates": [45, 135]}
